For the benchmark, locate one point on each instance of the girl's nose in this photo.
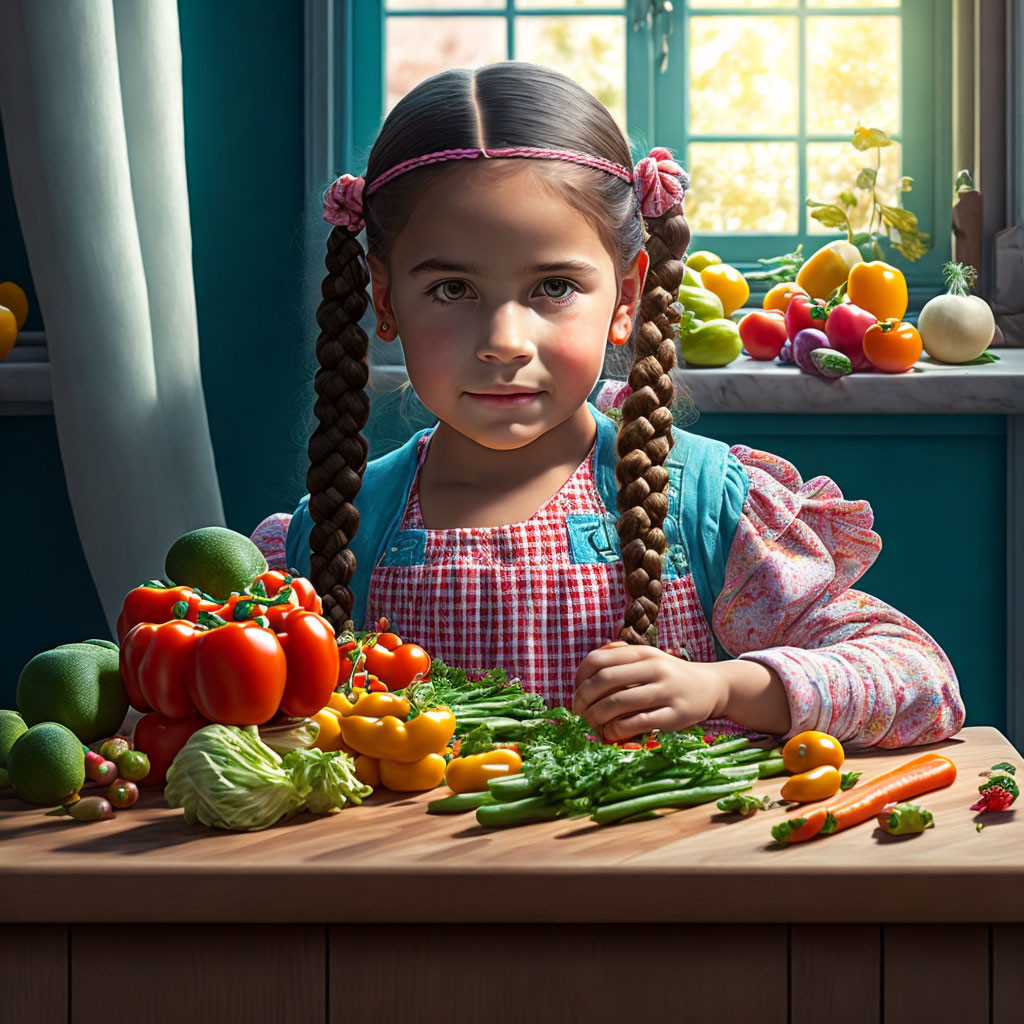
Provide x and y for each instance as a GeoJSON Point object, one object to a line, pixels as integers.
{"type": "Point", "coordinates": [507, 334]}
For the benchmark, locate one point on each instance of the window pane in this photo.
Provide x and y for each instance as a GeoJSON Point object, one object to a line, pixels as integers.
{"type": "Point", "coordinates": [742, 3]}
{"type": "Point", "coordinates": [832, 167]}
{"type": "Point", "coordinates": [853, 73]}
{"type": "Point", "coordinates": [526, 5]}
{"type": "Point", "coordinates": [851, 3]}
{"type": "Point", "coordinates": [742, 186]}
{"type": "Point", "coordinates": [417, 48]}
{"type": "Point", "coordinates": [738, 83]}
{"type": "Point", "coordinates": [442, 5]}
{"type": "Point", "coordinates": [589, 49]}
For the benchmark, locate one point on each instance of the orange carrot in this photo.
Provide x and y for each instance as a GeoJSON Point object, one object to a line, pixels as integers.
{"type": "Point", "coordinates": [922, 774]}
{"type": "Point", "coordinates": [933, 771]}
{"type": "Point", "coordinates": [796, 830]}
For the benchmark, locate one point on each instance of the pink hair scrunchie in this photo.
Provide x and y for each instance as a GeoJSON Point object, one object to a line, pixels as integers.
{"type": "Point", "coordinates": [660, 182]}
{"type": "Point", "coordinates": [343, 203]}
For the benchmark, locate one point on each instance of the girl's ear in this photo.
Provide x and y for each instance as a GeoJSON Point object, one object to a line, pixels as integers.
{"type": "Point", "coordinates": [380, 281]}
{"type": "Point", "coordinates": [630, 293]}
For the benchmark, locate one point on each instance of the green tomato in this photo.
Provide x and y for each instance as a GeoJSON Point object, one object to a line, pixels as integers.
{"type": "Point", "coordinates": [133, 765]}
{"type": "Point", "coordinates": [712, 343]}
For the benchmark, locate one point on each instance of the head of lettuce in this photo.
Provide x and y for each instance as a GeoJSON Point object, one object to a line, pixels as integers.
{"type": "Point", "coordinates": [227, 777]}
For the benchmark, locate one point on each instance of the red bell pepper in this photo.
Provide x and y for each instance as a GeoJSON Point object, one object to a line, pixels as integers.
{"type": "Point", "coordinates": [160, 738]}
{"type": "Point", "coordinates": [313, 662]}
{"type": "Point", "coordinates": [234, 673]}
{"type": "Point", "coordinates": [150, 603]}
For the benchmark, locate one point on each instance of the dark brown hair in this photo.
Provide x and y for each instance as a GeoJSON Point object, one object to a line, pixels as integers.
{"type": "Point", "coordinates": [504, 104]}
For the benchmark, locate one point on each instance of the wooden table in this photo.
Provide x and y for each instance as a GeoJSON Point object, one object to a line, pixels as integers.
{"type": "Point", "coordinates": [383, 912]}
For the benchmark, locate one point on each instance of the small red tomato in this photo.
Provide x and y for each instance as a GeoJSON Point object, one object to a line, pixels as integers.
{"type": "Point", "coordinates": [798, 315]}
{"type": "Point", "coordinates": [763, 333]}
{"type": "Point", "coordinates": [845, 329]}
{"type": "Point", "coordinates": [122, 793]}
{"type": "Point", "coordinates": [892, 346]}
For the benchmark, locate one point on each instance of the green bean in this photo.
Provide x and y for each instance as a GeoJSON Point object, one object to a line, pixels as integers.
{"type": "Point", "coordinates": [754, 754]}
{"type": "Point", "coordinates": [770, 766]}
{"type": "Point", "coordinates": [741, 771]}
{"type": "Point", "coordinates": [717, 749]}
{"type": "Point", "coordinates": [673, 798]}
{"type": "Point", "coordinates": [518, 812]}
{"type": "Point", "coordinates": [459, 802]}
{"type": "Point", "coordinates": [512, 787]}
{"type": "Point", "coordinates": [643, 788]}
{"type": "Point", "coordinates": [495, 722]}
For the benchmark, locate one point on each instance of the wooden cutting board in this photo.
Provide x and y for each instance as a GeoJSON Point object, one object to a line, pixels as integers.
{"type": "Point", "coordinates": [389, 860]}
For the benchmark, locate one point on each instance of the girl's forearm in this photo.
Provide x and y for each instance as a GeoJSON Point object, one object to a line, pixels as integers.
{"type": "Point", "coordinates": [754, 696]}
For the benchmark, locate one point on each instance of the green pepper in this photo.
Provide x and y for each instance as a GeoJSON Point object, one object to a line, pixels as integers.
{"type": "Point", "coordinates": [709, 343]}
{"type": "Point", "coordinates": [703, 304]}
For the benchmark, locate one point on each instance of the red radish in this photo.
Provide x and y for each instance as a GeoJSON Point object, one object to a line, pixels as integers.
{"type": "Point", "coordinates": [98, 768]}
{"type": "Point", "coordinates": [798, 315]}
{"type": "Point", "coordinates": [763, 333]}
{"type": "Point", "coordinates": [122, 793]}
{"type": "Point", "coordinates": [845, 328]}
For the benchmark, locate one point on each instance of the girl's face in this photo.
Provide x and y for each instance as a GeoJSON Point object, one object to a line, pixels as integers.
{"type": "Point", "coordinates": [497, 285]}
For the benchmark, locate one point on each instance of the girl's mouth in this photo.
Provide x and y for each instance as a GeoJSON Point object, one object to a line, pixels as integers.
{"type": "Point", "coordinates": [505, 401]}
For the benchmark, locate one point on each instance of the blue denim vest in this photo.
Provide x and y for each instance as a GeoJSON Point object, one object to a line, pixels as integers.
{"type": "Point", "coordinates": [707, 488]}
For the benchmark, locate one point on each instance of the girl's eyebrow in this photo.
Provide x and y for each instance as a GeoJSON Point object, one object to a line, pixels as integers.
{"type": "Point", "coordinates": [446, 266]}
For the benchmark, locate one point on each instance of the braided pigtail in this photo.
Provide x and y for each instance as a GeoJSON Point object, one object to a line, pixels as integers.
{"type": "Point", "coordinates": [645, 435]}
{"type": "Point", "coordinates": [337, 448]}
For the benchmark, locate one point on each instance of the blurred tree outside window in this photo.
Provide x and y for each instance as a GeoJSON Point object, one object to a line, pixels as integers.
{"type": "Point", "coordinates": [758, 98]}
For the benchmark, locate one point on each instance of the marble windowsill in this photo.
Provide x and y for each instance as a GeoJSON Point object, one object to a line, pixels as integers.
{"type": "Point", "coordinates": [744, 386]}
{"type": "Point", "coordinates": [765, 387]}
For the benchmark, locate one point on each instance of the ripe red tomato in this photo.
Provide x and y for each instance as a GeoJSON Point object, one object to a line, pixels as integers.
{"type": "Point", "coordinates": [160, 738]}
{"type": "Point", "coordinates": [763, 333]}
{"type": "Point", "coordinates": [845, 330]}
{"type": "Point", "coordinates": [798, 315]}
{"type": "Point", "coordinates": [892, 346]}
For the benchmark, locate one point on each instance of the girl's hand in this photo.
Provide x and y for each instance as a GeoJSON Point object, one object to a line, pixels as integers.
{"type": "Point", "coordinates": [626, 689]}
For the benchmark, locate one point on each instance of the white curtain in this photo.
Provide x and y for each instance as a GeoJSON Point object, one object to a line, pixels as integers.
{"type": "Point", "coordinates": [91, 98]}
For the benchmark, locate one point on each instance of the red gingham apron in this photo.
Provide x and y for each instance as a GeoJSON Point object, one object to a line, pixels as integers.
{"type": "Point", "coordinates": [513, 596]}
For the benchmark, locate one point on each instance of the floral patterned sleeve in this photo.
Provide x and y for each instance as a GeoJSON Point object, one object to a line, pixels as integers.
{"type": "Point", "coordinates": [852, 665]}
{"type": "Point", "coordinates": [270, 536]}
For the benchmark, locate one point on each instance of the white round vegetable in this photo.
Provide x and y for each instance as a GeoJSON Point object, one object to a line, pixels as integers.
{"type": "Point", "coordinates": [956, 327]}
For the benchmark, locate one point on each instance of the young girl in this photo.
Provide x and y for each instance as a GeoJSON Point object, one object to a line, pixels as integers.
{"type": "Point", "coordinates": [509, 241]}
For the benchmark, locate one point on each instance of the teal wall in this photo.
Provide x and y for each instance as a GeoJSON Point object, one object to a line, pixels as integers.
{"type": "Point", "coordinates": [936, 483]}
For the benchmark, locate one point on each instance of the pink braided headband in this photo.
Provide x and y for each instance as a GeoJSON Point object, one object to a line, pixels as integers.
{"type": "Point", "coordinates": [658, 181]}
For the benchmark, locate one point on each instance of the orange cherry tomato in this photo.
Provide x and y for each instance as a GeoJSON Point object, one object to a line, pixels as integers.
{"type": "Point", "coordinates": [817, 784]}
{"type": "Point", "coordinates": [812, 749]}
{"type": "Point", "coordinates": [781, 295]}
{"type": "Point", "coordinates": [892, 346]}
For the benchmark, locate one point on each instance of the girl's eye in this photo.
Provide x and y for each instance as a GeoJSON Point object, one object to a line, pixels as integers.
{"type": "Point", "coordinates": [558, 289]}
{"type": "Point", "coordinates": [563, 300]}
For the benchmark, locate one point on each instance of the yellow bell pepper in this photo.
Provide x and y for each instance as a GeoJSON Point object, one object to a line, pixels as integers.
{"type": "Point", "coordinates": [408, 777]}
{"type": "Point", "coordinates": [391, 738]}
{"type": "Point", "coordinates": [728, 284]}
{"type": "Point", "coordinates": [329, 737]}
{"type": "Point", "coordinates": [880, 289]}
{"type": "Point", "coordinates": [377, 705]}
{"type": "Point", "coordinates": [470, 774]}
{"type": "Point", "coordinates": [368, 770]}
{"type": "Point", "coordinates": [828, 268]}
